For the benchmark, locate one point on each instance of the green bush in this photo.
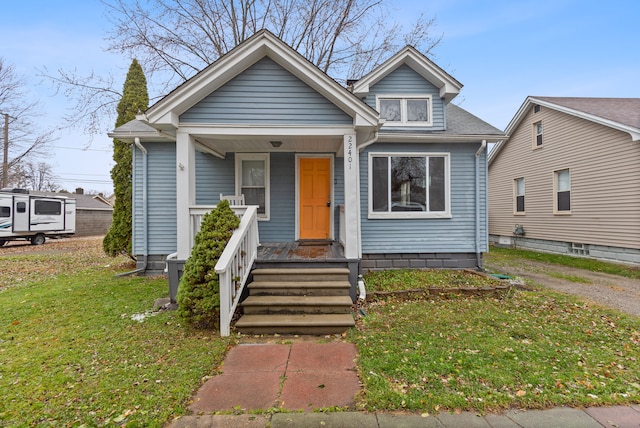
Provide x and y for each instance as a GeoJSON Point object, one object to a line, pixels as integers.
{"type": "Point", "coordinates": [199, 290]}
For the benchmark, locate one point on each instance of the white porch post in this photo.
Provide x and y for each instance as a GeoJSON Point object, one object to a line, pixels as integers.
{"type": "Point", "coordinates": [185, 191]}
{"type": "Point", "coordinates": [351, 197]}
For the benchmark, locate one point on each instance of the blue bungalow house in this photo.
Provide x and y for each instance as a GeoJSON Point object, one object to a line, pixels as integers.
{"type": "Point", "coordinates": [384, 173]}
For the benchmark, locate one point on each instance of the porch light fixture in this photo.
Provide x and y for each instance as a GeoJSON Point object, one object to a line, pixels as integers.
{"type": "Point", "coordinates": [276, 143]}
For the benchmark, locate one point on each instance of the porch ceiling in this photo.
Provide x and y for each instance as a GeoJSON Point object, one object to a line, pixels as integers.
{"type": "Point", "coordinates": [261, 144]}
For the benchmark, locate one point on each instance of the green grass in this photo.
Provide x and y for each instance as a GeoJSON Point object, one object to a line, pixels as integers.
{"type": "Point", "coordinates": [567, 277]}
{"type": "Point", "coordinates": [71, 354]}
{"type": "Point", "coordinates": [407, 279]}
{"type": "Point", "coordinates": [527, 349]}
{"type": "Point", "coordinates": [505, 255]}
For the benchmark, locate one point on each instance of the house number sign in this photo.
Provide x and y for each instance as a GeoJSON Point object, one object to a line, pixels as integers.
{"type": "Point", "coordinates": [350, 151]}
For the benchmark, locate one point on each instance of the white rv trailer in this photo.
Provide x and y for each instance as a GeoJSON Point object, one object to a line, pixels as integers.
{"type": "Point", "coordinates": [34, 218]}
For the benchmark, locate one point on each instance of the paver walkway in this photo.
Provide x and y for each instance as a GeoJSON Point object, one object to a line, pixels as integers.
{"type": "Point", "coordinates": [302, 376]}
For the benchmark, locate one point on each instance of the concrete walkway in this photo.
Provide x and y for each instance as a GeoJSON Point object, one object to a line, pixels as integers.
{"type": "Point", "coordinates": [305, 376]}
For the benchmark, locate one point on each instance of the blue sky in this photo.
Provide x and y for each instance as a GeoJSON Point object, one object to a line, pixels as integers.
{"type": "Point", "coordinates": [501, 51]}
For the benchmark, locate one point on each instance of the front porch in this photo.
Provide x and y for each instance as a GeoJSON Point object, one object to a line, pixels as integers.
{"type": "Point", "coordinates": [304, 287]}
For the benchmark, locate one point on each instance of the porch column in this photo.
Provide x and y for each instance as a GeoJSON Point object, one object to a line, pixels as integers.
{"type": "Point", "coordinates": [185, 191]}
{"type": "Point", "coordinates": [351, 197]}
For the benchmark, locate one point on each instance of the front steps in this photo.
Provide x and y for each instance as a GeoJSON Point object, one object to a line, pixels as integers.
{"type": "Point", "coordinates": [297, 301]}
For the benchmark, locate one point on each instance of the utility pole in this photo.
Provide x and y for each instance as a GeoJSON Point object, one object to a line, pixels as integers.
{"type": "Point", "coordinates": [5, 159]}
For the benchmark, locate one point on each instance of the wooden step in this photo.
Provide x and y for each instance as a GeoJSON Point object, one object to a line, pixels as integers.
{"type": "Point", "coordinates": [304, 288]}
{"type": "Point", "coordinates": [300, 274]}
{"type": "Point", "coordinates": [254, 305]}
{"type": "Point", "coordinates": [295, 324]}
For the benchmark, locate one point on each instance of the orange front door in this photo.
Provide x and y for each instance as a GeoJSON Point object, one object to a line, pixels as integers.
{"type": "Point", "coordinates": [315, 198]}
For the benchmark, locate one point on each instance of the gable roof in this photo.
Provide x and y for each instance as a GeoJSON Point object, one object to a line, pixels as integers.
{"type": "Point", "coordinates": [165, 113]}
{"type": "Point", "coordinates": [622, 114]}
{"type": "Point", "coordinates": [449, 87]}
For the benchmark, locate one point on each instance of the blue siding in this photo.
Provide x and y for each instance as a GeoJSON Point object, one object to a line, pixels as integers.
{"type": "Point", "coordinates": [405, 81]}
{"type": "Point", "coordinates": [214, 176]}
{"type": "Point", "coordinates": [266, 93]}
{"type": "Point", "coordinates": [161, 199]}
{"type": "Point", "coordinates": [454, 235]}
{"type": "Point", "coordinates": [282, 224]}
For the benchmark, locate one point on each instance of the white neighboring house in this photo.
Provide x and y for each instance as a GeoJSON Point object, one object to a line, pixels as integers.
{"type": "Point", "coordinates": [34, 218]}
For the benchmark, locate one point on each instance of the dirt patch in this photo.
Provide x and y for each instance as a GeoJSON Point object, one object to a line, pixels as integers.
{"type": "Point", "coordinates": [614, 291]}
{"type": "Point", "coordinates": [52, 246]}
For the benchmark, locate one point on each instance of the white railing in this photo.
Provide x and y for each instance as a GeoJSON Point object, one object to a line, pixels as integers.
{"type": "Point", "coordinates": [235, 263]}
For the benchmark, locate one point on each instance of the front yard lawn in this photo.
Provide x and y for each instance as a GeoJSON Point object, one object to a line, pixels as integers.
{"type": "Point", "coordinates": [524, 349]}
{"type": "Point", "coordinates": [79, 346]}
{"type": "Point", "coordinates": [73, 351]}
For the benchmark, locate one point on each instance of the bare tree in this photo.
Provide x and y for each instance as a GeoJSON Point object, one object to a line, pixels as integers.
{"type": "Point", "coordinates": [33, 175]}
{"type": "Point", "coordinates": [339, 36]}
{"type": "Point", "coordinates": [174, 39]}
{"type": "Point", "coordinates": [25, 140]}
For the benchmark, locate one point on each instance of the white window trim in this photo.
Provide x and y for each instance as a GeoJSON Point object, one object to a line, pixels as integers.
{"type": "Point", "coordinates": [555, 192]}
{"type": "Point", "coordinates": [239, 157]}
{"type": "Point", "coordinates": [411, 214]}
{"type": "Point", "coordinates": [535, 135]}
{"type": "Point", "coordinates": [515, 196]}
{"type": "Point", "coordinates": [403, 109]}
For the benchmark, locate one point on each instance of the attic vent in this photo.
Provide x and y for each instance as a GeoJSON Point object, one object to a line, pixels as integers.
{"type": "Point", "coordinates": [579, 249]}
{"type": "Point", "coordinates": [536, 108]}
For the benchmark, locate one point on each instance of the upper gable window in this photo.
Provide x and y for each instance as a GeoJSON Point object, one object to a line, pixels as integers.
{"type": "Point", "coordinates": [405, 109]}
{"type": "Point", "coordinates": [537, 130]}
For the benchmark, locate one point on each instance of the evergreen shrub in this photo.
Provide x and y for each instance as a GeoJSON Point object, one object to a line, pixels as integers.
{"type": "Point", "coordinates": [199, 289]}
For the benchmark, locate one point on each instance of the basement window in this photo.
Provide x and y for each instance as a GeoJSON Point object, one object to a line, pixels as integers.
{"type": "Point", "coordinates": [579, 249]}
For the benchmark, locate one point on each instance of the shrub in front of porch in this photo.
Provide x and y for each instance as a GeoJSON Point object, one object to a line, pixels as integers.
{"type": "Point", "coordinates": [199, 290]}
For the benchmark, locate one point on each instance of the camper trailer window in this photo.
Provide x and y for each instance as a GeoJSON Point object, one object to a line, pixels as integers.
{"type": "Point", "coordinates": [21, 207]}
{"type": "Point", "coordinates": [5, 211]}
{"type": "Point", "coordinates": [47, 208]}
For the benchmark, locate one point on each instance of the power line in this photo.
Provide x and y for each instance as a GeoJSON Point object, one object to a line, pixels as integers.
{"type": "Point", "coordinates": [77, 148]}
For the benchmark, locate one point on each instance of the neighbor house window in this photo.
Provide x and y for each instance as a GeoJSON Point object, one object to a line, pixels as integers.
{"type": "Point", "coordinates": [405, 110]}
{"type": "Point", "coordinates": [408, 185]}
{"type": "Point", "coordinates": [519, 191]}
{"type": "Point", "coordinates": [537, 130]}
{"type": "Point", "coordinates": [562, 184]}
{"type": "Point", "coordinates": [252, 181]}
{"type": "Point", "coordinates": [47, 208]}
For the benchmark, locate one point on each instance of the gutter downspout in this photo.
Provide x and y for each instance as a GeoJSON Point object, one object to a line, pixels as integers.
{"type": "Point", "coordinates": [145, 254]}
{"type": "Point", "coordinates": [478, 253]}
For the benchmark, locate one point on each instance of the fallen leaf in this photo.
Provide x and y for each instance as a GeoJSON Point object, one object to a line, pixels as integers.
{"type": "Point", "coordinates": [521, 393]}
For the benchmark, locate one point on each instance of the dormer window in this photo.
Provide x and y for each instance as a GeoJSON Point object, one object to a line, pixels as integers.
{"type": "Point", "coordinates": [405, 110]}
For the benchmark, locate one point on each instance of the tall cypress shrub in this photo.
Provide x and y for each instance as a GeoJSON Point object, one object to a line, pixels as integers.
{"type": "Point", "coordinates": [199, 290]}
{"type": "Point", "coordinates": [135, 98]}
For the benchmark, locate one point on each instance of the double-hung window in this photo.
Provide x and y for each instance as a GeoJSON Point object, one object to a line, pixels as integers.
{"type": "Point", "coordinates": [562, 185]}
{"type": "Point", "coordinates": [405, 109]}
{"type": "Point", "coordinates": [252, 181]}
{"type": "Point", "coordinates": [519, 192]}
{"type": "Point", "coordinates": [408, 185]}
{"type": "Point", "coordinates": [537, 130]}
